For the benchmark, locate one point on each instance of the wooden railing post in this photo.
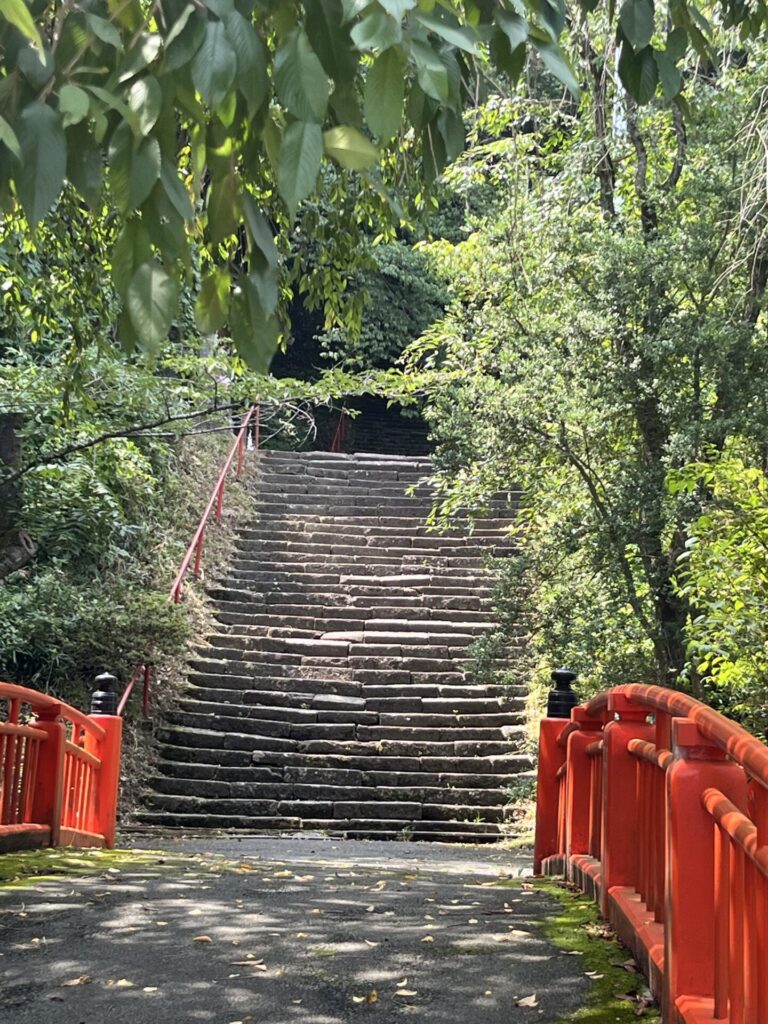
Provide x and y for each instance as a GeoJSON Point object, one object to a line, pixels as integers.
{"type": "Point", "coordinates": [48, 799]}
{"type": "Point", "coordinates": [619, 831]}
{"type": "Point", "coordinates": [689, 955]}
{"type": "Point", "coordinates": [551, 759]}
{"type": "Point", "coordinates": [579, 780]}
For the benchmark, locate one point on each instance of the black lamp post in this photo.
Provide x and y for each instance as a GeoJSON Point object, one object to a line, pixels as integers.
{"type": "Point", "coordinates": [104, 697]}
{"type": "Point", "coordinates": [562, 698]}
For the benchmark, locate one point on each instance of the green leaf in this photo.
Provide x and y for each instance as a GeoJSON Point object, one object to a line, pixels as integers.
{"type": "Point", "coordinates": [132, 172]}
{"type": "Point", "coordinates": [145, 98]}
{"type": "Point", "coordinates": [385, 93]}
{"type": "Point", "coordinates": [301, 152]}
{"type": "Point", "coordinates": [223, 212]}
{"type": "Point", "coordinates": [190, 33]}
{"type": "Point", "coordinates": [669, 76]}
{"type": "Point", "coordinates": [352, 8]}
{"type": "Point", "coordinates": [151, 299]}
{"type": "Point", "coordinates": [212, 303]}
{"type": "Point", "coordinates": [397, 8]}
{"type": "Point", "coordinates": [513, 26]}
{"type": "Point", "coordinates": [260, 233]}
{"type": "Point", "coordinates": [330, 40]}
{"type": "Point", "coordinates": [451, 31]}
{"type": "Point", "coordinates": [638, 72]}
{"type": "Point", "coordinates": [377, 31]}
{"type": "Point", "coordinates": [554, 61]}
{"type": "Point", "coordinates": [9, 139]}
{"type": "Point", "coordinates": [350, 148]}
{"type": "Point", "coordinates": [551, 17]}
{"type": "Point", "coordinates": [174, 189]}
{"type": "Point", "coordinates": [44, 156]}
{"type": "Point", "coordinates": [251, 77]}
{"type": "Point", "coordinates": [17, 12]}
{"type": "Point", "coordinates": [104, 30]}
{"type": "Point", "coordinates": [131, 249]}
{"type": "Point", "coordinates": [510, 61]}
{"type": "Point", "coordinates": [677, 43]}
{"type": "Point", "coordinates": [254, 332]}
{"type": "Point", "coordinates": [214, 65]}
{"type": "Point", "coordinates": [37, 66]}
{"type": "Point", "coordinates": [114, 103]}
{"type": "Point", "coordinates": [636, 22]}
{"type": "Point", "coordinates": [431, 73]}
{"type": "Point", "coordinates": [300, 81]}
{"type": "Point", "coordinates": [74, 104]}
{"type": "Point", "coordinates": [85, 165]}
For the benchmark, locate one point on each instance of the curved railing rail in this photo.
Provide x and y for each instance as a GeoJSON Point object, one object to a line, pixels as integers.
{"type": "Point", "coordinates": [193, 556]}
{"type": "Point", "coordinates": [59, 772]}
{"type": "Point", "coordinates": [658, 806]}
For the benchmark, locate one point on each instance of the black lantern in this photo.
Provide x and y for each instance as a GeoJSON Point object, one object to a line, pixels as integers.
{"type": "Point", "coordinates": [104, 697]}
{"type": "Point", "coordinates": [562, 698]}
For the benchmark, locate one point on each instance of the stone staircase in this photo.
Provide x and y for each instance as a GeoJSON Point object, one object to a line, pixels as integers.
{"type": "Point", "coordinates": [334, 695]}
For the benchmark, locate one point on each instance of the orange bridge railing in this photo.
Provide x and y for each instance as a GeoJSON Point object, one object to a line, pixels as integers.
{"type": "Point", "coordinates": [658, 806]}
{"type": "Point", "coordinates": [59, 772]}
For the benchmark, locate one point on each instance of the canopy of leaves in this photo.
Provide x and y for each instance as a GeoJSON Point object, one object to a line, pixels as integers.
{"type": "Point", "coordinates": [188, 120]}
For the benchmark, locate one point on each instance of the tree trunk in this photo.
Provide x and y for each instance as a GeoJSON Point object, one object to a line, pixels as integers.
{"type": "Point", "coordinates": [16, 546]}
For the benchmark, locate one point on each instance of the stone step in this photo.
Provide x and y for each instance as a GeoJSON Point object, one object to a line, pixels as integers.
{"type": "Point", "coordinates": [356, 716]}
{"type": "Point", "coordinates": [319, 626]}
{"type": "Point", "coordinates": [453, 832]}
{"type": "Point", "coordinates": [446, 782]}
{"type": "Point", "coordinates": [411, 534]}
{"type": "Point", "coordinates": [376, 761]}
{"type": "Point", "coordinates": [313, 702]}
{"type": "Point", "coordinates": [327, 791]}
{"type": "Point", "coordinates": [355, 640]}
{"type": "Point", "coordinates": [389, 525]}
{"type": "Point", "coordinates": [226, 613]}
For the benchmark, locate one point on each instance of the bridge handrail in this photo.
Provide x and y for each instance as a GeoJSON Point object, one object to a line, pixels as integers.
{"type": "Point", "coordinates": [732, 738]}
{"type": "Point", "coordinates": [59, 772]}
{"type": "Point", "coordinates": [657, 805]}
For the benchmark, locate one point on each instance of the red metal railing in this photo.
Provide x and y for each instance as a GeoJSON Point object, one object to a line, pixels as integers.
{"type": "Point", "coordinates": [59, 772]}
{"type": "Point", "coordinates": [251, 424]}
{"type": "Point", "coordinates": [658, 806]}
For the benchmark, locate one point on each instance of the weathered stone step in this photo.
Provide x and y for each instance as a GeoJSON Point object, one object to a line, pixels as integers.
{"type": "Point", "coordinates": [454, 832]}
{"type": "Point", "coordinates": [333, 792]}
{"type": "Point", "coordinates": [243, 758]}
{"type": "Point", "coordinates": [417, 720]}
{"type": "Point", "coordinates": [226, 612]}
{"type": "Point", "coordinates": [356, 623]}
{"type": "Point", "coordinates": [390, 525]}
{"type": "Point", "coordinates": [359, 641]}
{"type": "Point", "coordinates": [443, 782]}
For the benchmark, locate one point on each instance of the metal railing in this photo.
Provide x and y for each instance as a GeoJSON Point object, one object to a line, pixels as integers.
{"type": "Point", "coordinates": [658, 806]}
{"type": "Point", "coordinates": [59, 772]}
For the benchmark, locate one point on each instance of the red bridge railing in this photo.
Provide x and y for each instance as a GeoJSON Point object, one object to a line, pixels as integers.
{"type": "Point", "coordinates": [59, 772]}
{"type": "Point", "coordinates": [658, 806]}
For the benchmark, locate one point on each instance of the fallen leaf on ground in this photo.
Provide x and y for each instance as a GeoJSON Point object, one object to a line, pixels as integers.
{"type": "Point", "coordinates": [531, 1000]}
{"type": "Point", "coordinates": [405, 992]}
{"type": "Point", "coordinates": [369, 943]}
{"type": "Point", "coordinates": [84, 979]}
{"type": "Point", "coordinates": [150, 988]}
{"type": "Point", "coordinates": [427, 938]}
{"type": "Point", "coordinates": [372, 997]}
{"type": "Point", "coordinates": [202, 938]}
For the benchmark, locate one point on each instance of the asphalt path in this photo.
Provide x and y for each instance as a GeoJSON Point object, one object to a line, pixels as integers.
{"type": "Point", "coordinates": [287, 931]}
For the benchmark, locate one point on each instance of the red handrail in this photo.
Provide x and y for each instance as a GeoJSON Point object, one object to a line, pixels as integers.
{"type": "Point", "coordinates": [663, 816]}
{"type": "Point", "coordinates": [59, 772]}
{"type": "Point", "coordinates": [217, 499]}
{"type": "Point", "coordinates": [252, 421]}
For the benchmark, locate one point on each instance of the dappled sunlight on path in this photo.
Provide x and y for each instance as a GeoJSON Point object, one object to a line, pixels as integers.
{"type": "Point", "coordinates": [277, 931]}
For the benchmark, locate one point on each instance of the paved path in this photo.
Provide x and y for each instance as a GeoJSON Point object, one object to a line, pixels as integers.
{"type": "Point", "coordinates": [286, 931]}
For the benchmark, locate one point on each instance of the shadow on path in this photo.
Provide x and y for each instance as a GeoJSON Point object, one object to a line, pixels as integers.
{"type": "Point", "coordinates": [278, 931]}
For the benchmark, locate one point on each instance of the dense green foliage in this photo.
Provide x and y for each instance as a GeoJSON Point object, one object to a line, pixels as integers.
{"type": "Point", "coordinates": [182, 124]}
{"type": "Point", "coordinates": [606, 330]}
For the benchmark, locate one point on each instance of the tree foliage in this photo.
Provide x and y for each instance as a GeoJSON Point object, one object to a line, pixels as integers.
{"type": "Point", "coordinates": [182, 122]}
{"type": "Point", "coordinates": [606, 327]}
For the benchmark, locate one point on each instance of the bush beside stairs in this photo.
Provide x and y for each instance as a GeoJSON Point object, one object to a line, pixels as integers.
{"type": "Point", "coordinates": [335, 695]}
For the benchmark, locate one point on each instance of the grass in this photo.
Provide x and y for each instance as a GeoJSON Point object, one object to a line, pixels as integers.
{"type": "Point", "coordinates": [578, 929]}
